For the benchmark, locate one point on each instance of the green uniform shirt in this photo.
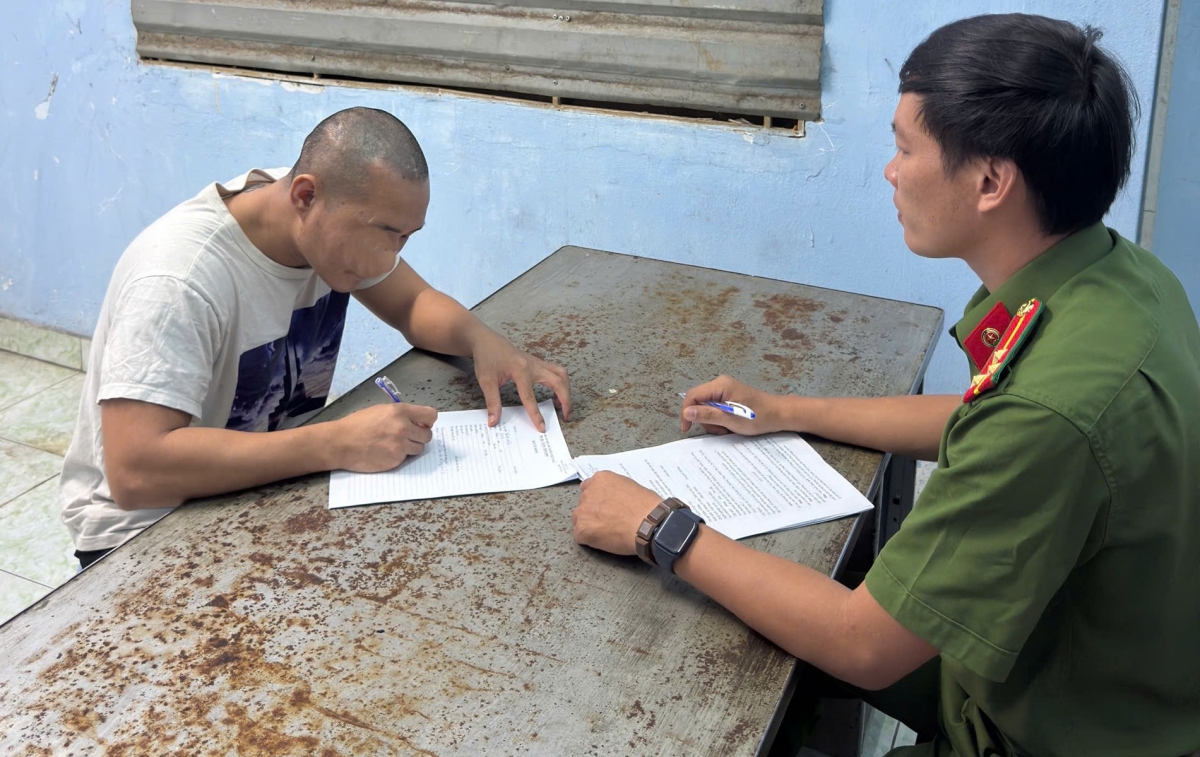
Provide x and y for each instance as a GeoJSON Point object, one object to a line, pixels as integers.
{"type": "Point", "coordinates": [1054, 556]}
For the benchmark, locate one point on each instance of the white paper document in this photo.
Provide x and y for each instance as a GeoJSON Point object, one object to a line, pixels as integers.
{"type": "Point", "coordinates": [740, 485]}
{"type": "Point", "coordinates": [467, 457]}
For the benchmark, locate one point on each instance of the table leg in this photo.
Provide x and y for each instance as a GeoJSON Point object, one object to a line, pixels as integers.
{"type": "Point", "coordinates": [895, 499]}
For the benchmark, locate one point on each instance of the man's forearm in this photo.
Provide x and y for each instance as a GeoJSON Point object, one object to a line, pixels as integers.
{"type": "Point", "coordinates": [439, 323]}
{"type": "Point", "coordinates": [195, 462]}
{"type": "Point", "coordinates": [909, 425]}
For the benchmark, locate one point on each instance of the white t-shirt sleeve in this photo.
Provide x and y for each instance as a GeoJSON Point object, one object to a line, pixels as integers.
{"type": "Point", "coordinates": [161, 346]}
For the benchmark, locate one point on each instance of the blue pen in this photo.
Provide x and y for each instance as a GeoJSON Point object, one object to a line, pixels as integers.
{"type": "Point", "coordinates": [733, 408]}
{"type": "Point", "coordinates": [385, 383]}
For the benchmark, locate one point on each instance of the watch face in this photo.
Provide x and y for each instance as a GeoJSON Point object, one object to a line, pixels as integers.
{"type": "Point", "coordinates": [674, 532]}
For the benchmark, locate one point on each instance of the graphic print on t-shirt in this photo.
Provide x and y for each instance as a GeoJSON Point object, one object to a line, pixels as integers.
{"type": "Point", "coordinates": [290, 377]}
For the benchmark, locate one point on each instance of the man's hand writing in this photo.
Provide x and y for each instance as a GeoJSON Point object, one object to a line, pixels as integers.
{"type": "Point", "coordinates": [380, 437]}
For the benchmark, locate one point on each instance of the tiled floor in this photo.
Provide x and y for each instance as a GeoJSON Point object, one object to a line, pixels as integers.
{"type": "Point", "coordinates": [881, 734]}
{"type": "Point", "coordinates": [38, 404]}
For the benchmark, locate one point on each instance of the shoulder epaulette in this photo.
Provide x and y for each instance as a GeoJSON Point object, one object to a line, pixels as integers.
{"type": "Point", "coordinates": [1010, 343]}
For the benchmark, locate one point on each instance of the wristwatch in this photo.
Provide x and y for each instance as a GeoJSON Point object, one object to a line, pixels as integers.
{"type": "Point", "coordinates": [674, 536]}
{"type": "Point", "coordinates": [646, 530]}
{"type": "Point", "coordinates": [667, 532]}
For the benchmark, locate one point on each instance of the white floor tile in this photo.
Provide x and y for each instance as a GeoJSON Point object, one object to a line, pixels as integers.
{"type": "Point", "coordinates": [47, 419]}
{"type": "Point", "coordinates": [22, 468]}
{"type": "Point", "coordinates": [34, 544]}
{"type": "Point", "coordinates": [22, 377]}
{"type": "Point", "coordinates": [17, 593]}
{"type": "Point", "coordinates": [923, 471]}
{"type": "Point", "coordinates": [41, 343]}
{"type": "Point", "coordinates": [905, 736]}
{"type": "Point", "coordinates": [878, 733]}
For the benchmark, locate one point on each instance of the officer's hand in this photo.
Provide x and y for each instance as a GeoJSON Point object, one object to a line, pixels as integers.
{"type": "Point", "coordinates": [610, 509]}
{"type": "Point", "coordinates": [724, 389]}
{"type": "Point", "coordinates": [497, 362]}
{"type": "Point", "coordinates": [380, 437]}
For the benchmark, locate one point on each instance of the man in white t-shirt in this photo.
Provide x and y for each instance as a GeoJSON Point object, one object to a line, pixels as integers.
{"type": "Point", "coordinates": [224, 318]}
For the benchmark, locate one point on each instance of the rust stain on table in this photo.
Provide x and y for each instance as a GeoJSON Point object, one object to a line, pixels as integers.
{"type": "Point", "coordinates": [262, 623]}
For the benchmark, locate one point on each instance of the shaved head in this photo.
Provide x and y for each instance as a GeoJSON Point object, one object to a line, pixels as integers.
{"type": "Point", "coordinates": [342, 148]}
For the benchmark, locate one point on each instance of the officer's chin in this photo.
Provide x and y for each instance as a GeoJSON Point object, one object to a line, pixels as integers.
{"type": "Point", "coordinates": [916, 246]}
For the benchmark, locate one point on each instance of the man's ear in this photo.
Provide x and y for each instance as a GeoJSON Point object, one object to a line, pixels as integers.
{"type": "Point", "coordinates": [998, 180]}
{"type": "Point", "coordinates": [303, 192]}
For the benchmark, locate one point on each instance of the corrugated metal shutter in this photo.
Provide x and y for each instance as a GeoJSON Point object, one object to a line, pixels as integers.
{"type": "Point", "coordinates": [758, 57]}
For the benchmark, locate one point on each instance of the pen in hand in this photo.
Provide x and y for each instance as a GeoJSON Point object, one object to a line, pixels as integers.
{"type": "Point", "coordinates": [733, 408]}
{"type": "Point", "coordinates": [385, 383]}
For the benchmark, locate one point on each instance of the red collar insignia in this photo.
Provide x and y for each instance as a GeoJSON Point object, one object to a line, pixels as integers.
{"type": "Point", "coordinates": [1010, 343]}
{"type": "Point", "coordinates": [986, 336]}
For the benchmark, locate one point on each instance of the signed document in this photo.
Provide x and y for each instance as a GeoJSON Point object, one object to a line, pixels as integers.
{"type": "Point", "coordinates": [740, 485]}
{"type": "Point", "coordinates": [467, 457]}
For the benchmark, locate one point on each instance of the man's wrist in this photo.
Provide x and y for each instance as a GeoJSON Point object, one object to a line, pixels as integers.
{"type": "Point", "coordinates": [323, 443]}
{"type": "Point", "coordinates": [478, 334]}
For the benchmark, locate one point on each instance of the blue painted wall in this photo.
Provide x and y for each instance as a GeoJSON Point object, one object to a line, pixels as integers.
{"type": "Point", "coordinates": [95, 145]}
{"type": "Point", "coordinates": [1175, 237]}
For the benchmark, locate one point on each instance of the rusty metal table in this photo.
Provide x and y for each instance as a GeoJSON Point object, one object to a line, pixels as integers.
{"type": "Point", "coordinates": [263, 623]}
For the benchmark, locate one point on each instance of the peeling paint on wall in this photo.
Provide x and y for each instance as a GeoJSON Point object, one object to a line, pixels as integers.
{"type": "Point", "coordinates": [43, 108]}
{"type": "Point", "coordinates": [295, 86]}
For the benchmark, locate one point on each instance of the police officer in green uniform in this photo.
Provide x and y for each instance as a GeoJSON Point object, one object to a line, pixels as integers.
{"type": "Point", "coordinates": [1043, 597]}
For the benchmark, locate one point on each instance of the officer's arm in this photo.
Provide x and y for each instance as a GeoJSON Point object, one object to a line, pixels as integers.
{"type": "Point", "coordinates": [845, 633]}
{"type": "Point", "coordinates": [910, 426]}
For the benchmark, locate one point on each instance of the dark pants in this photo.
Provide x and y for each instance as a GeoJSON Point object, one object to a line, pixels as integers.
{"type": "Point", "coordinates": [87, 558]}
{"type": "Point", "coordinates": [913, 700]}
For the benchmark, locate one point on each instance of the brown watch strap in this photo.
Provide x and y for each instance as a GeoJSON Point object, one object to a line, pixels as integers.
{"type": "Point", "coordinates": [645, 531]}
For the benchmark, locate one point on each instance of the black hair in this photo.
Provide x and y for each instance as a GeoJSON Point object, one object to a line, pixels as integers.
{"type": "Point", "coordinates": [341, 148]}
{"type": "Point", "coordinates": [1036, 91]}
